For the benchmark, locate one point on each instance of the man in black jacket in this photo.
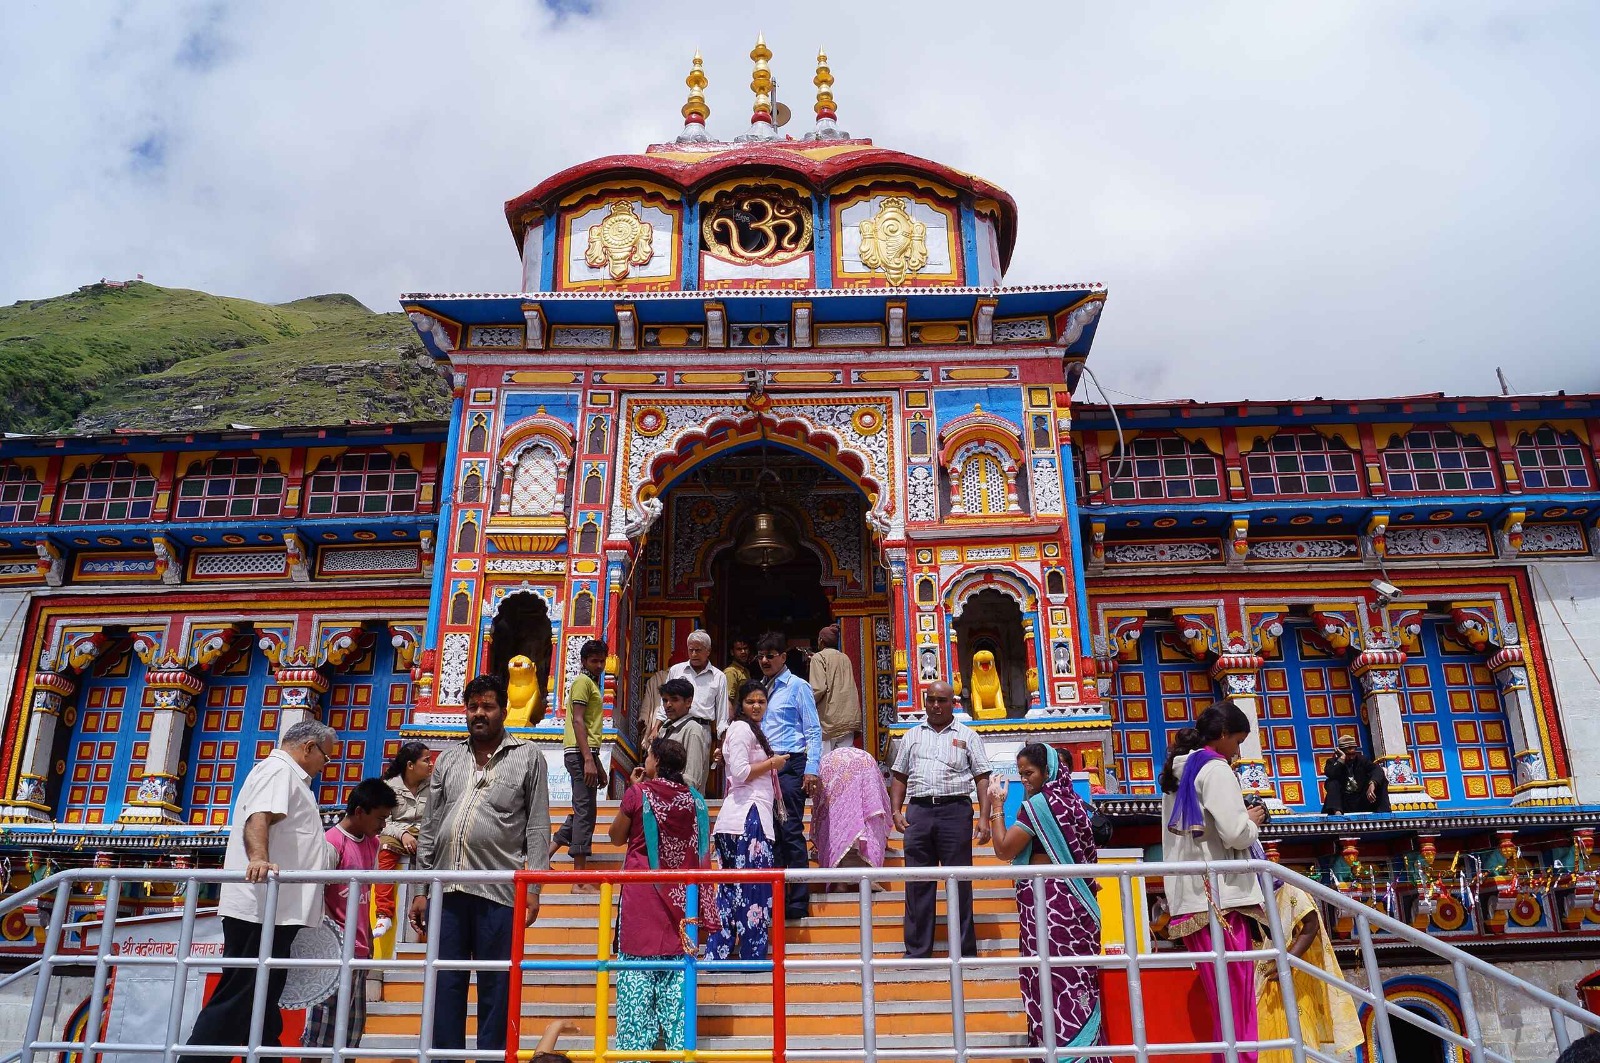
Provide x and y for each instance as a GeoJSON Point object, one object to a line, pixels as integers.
{"type": "Point", "coordinates": [1352, 783]}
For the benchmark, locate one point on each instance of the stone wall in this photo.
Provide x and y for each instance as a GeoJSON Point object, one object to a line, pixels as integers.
{"type": "Point", "coordinates": [1568, 598]}
{"type": "Point", "coordinates": [17, 998]}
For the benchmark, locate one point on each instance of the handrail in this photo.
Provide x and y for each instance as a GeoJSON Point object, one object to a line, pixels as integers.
{"type": "Point", "coordinates": [1128, 965]}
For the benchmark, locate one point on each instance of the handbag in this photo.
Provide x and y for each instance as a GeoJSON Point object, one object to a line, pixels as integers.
{"type": "Point", "coordinates": [1101, 827]}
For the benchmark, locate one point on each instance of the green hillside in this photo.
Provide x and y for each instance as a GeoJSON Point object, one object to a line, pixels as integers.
{"type": "Point", "coordinates": [146, 357]}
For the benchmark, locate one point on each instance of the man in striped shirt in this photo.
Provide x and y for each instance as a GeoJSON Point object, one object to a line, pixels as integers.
{"type": "Point", "coordinates": [938, 765]}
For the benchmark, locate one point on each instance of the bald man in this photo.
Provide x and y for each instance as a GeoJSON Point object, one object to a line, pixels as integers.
{"type": "Point", "coordinates": [833, 687]}
{"type": "Point", "coordinates": [937, 766]}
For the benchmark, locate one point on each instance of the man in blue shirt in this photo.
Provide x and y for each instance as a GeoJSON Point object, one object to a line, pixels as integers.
{"type": "Point", "coordinates": [791, 728]}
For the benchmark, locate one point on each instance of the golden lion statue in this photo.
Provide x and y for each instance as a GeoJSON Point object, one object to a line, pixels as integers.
{"type": "Point", "coordinates": [522, 693]}
{"type": "Point", "coordinates": [987, 701]}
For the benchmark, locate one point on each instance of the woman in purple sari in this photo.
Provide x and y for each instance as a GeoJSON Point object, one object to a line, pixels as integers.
{"type": "Point", "coordinates": [1053, 827]}
{"type": "Point", "coordinates": [850, 825]}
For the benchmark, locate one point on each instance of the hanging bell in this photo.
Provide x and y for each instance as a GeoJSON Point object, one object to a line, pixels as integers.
{"type": "Point", "coordinates": [765, 544]}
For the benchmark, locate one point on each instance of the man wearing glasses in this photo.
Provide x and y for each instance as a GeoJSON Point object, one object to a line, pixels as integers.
{"type": "Point", "coordinates": [275, 827]}
{"type": "Point", "coordinates": [792, 729]}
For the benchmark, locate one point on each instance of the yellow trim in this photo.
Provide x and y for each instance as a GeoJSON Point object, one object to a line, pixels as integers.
{"type": "Point", "coordinates": [876, 184]}
{"type": "Point", "coordinates": [705, 195]}
{"type": "Point", "coordinates": [1482, 429]}
{"type": "Point", "coordinates": [1383, 433]}
{"type": "Point", "coordinates": [1573, 425]}
{"type": "Point", "coordinates": [1249, 436]}
{"type": "Point", "coordinates": [614, 189]}
{"type": "Point", "coordinates": [544, 376]}
{"type": "Point", "coordinates": [1345, 434]}
{"type": "Point", "coordinates": [1210, 438]}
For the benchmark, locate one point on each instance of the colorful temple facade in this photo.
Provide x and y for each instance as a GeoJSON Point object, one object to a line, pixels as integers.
{"type": "Point", "coordinates": [777, 382]}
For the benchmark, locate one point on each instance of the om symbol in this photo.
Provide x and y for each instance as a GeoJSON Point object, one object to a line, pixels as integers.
{"type": "Point", "coordinates": [768, 227]}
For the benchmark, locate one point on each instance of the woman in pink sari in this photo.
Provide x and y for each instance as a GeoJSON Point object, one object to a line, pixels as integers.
{"type": "Point", "coordinates": [850, 824]}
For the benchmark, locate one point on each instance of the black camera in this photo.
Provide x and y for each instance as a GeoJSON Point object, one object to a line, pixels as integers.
{"type": "Point", "coordinates": [1255, 801]}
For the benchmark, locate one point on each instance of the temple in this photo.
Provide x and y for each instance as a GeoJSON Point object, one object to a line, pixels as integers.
{"type": "Point", "coordinates": [777, 381]}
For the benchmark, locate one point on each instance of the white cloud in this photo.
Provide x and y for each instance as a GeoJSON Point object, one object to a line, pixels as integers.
{"type": "Point", "coordinates": [1285, 200]}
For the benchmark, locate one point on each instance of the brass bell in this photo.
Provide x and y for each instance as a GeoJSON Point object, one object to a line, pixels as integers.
{"type": "Point", "coordinates": [765, 544]}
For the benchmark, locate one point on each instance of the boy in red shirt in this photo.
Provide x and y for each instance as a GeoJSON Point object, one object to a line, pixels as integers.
{"type": "Point", "coordinates": [355, 839]}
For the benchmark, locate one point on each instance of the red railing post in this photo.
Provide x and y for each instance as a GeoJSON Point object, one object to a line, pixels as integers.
{"type": "Point", "coordinates": [780, 1005]}
{"type": "Point", "coordinates": [519, 930]}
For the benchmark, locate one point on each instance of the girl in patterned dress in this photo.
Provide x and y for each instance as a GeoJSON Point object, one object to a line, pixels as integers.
{"type": "Point", "coordinates": [665, 825]}
{"type": "Point", "coordinates": [745, 830]}
{"type": "Point", "coordinates": [1053, 827]}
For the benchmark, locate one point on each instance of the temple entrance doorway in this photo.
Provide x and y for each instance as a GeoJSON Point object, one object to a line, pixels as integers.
{"type": "Point", "coordinates": [764, 538]}
{"type": "Point", "coordinates": [522, 628]}
{"type": "Point", "coordinates": [991, 621]}
{"type": "Point", "coordinates": [748, 600]}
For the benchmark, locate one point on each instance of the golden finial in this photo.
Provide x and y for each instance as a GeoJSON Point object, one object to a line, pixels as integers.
{"type": "Point", "coordinates": [824, 83]}
{"type": "Point", "coordinates": [761, 81]}
{"type": "Point", "coordinates": [696, 110]}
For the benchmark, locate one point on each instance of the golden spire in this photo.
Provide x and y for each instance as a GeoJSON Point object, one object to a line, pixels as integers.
{"type": "Point", "coordinates": [695, 110]}
{"type": "Point", "coordinates": [824, 83]}
{"type": "Point", "coordinates": [761, 81]}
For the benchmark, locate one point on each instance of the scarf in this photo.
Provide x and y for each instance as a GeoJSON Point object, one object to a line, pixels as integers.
{"type": "Point", "coordinates": [1188, 816]}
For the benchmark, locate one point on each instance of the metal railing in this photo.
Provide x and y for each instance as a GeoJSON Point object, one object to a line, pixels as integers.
{"type": "Point", "coordinates": [165, 1031]}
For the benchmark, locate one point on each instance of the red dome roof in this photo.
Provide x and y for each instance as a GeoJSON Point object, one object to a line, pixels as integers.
{"type": "Point", "coordinates": [818, 164]}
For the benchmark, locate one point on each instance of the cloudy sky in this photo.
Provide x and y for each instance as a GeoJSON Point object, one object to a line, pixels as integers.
{"type": "Point", "coordinates": [1285, 199]}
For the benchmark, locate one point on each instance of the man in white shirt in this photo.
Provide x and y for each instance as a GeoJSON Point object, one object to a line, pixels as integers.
{"type": "Point", "coordinates": [937, 766]}
{"type": "Point", "coordinates": [711, 705]}
{"type": "Point", "coordinates": [276, 826]}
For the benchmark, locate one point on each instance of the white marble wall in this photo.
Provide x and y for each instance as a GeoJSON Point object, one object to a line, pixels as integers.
{"type": "Point", "coordinates": [1568, 598]}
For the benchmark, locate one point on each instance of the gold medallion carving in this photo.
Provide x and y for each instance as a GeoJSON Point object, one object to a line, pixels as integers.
{"type": "Point", "coordinates": [894, 242]}
{"type": "Point", "coordinates": [757, 226]}
{"type": "Point", "coordinates": [620, 242]}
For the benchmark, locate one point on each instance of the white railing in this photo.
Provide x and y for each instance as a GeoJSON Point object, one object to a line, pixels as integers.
{"type": "Point", "coordinates": [164, 1031]}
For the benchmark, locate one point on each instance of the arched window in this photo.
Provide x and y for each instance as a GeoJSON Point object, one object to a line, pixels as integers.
{"type": "Point", "coordinates": [593, 489]}
{"type": "Point", "coordinates": [925, 592]}
{"type": "Point", "coordinates": [535, 490]}
{"type": "Point", "coordinates": [589, 538]}
{"type": "Point", "coordinates": [583, 609]}
{"type": "Point", "coordinates": [1163, 467]}
{"type": "Point", "coordinates": [1302, 464]}
{"type": "Point", "coordinates": [1551, 460]}
{"type": "Point", "coordinates": [919, 439]}
{"type": "Point", "coordinates": [19, 494]}
{"type": "Point", "coordinates": [224, 487]}
{"type": "Point", "coordinates": [983, 484]}
{"type": "Point", "coordinates": [365, 483]}
{"type": "Point", "coordinates": [108, 490]}
{"type": "Point", "coordinates": [1437, 459]}
{"type": "Point", "coordinates": [1055, 584]}
{"type": "Point", "coordinates": [467, 537]}
{"type": "Point", "coordinates": [597, 435]}
{"type": "Point", "coordinates": [478, 437]}
{"type": "Point", "coordinates": [460, 608]}
{"type": "Point", "coordinates": [472, 487]}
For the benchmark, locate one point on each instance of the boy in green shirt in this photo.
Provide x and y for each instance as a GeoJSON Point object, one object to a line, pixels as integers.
{"type": "Point", "coordinates": [580, 739]}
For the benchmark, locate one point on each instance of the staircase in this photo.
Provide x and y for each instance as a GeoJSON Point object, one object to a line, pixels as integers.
{"type": "Point", "coordinates": [912, 1006]}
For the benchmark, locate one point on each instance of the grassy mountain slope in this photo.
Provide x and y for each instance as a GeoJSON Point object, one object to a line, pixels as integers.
{"type": "Point", "coordinates": [148, 357]}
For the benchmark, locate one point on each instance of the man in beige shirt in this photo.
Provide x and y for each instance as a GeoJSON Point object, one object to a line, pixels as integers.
{"type": "Point", "coordinates": [833, 685]}
{"type": "Point", "coordinates": [488, 809]}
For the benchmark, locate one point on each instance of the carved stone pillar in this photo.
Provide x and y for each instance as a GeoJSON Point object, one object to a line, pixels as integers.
{"type": "Point", "coordinates": [1534, 786]}
{"type": "Point", "coordinates": [302, 695]}
{"type": "Point", "coordinates": [172, 694]}
{"type": "Point", "coordinates": [28, 801]}
{"type": "Point", "coordinates": [1237, 676]}
{"type": "Point", "coordinates": [1377, 669]}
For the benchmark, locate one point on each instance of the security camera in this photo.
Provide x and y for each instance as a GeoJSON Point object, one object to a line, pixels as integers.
{"type": "Point", "coordinates": [1386, 591]}
{"type": "Point", "coordinates": [754, 379]}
